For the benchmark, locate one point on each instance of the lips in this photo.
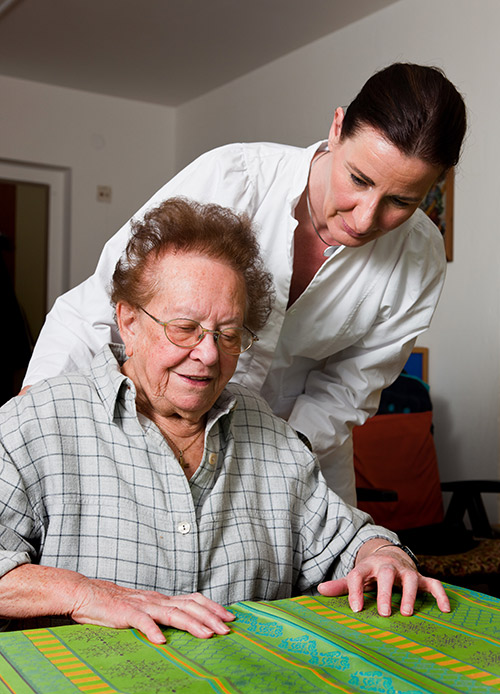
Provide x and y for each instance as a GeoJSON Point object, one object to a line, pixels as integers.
{"type": "Point", "coordinates": [348, 229]}
{"type": "Point", "coordinates": [197, 379]}
{"type": "Point", "coordinates": [351, 232]}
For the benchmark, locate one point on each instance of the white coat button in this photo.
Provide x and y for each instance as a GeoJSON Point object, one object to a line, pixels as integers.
{"type": "Point", "coordinates": [212, 458]}
{"type": "Point", "coordinates": [184, 528]}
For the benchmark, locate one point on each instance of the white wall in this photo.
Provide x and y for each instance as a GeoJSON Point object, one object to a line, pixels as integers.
{"type": "Point", "coordinates": [101, 141]}
{"type": "Point", "coordinates": [292, 100]}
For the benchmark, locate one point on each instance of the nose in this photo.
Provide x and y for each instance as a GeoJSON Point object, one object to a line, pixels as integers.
{"type": "Point", "coordinates": [366, 214]}
{"type": "Point", "coordinates": [206, 350]}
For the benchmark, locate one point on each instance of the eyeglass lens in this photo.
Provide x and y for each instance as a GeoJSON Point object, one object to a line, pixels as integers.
{"type": "Point", "coordinates": [188, 333]}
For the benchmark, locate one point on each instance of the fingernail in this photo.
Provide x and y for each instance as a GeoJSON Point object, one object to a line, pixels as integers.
{"type": "Point", "coordinates": [406, 610]}
{"type": "Point", "coordinates": [356, 607]}
{"type": "Point", "coordinates": [385, 612]}
{"type": "Point", "coordinates": [158, 639]}
{"type": "Point", "coordinates": [223, 630]}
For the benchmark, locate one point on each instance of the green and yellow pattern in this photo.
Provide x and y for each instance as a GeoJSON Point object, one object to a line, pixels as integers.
{"type": "Point", "coordinates": [305, 645]}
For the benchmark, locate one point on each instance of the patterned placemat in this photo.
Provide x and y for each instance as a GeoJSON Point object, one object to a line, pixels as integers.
{"type": "Point", "coordinates": [305, 645]}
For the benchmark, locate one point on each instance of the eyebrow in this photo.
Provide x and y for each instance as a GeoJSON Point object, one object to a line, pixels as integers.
{"type": "Point", "coordinates": [368, 180]}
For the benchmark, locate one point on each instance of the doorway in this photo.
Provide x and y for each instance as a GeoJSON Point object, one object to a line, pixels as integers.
{"type": "Point", "coordinates": [34, 216]}
{"type": "Point", "coordinates": [24, 243]}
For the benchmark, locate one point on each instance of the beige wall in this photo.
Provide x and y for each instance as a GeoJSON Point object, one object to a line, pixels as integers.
{"type": "Point", "coordinates": [100, 140]}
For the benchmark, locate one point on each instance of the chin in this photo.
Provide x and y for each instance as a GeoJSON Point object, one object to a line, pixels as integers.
{"type": "Point", "coordinates": [352, 242]}
{"type": "Point", "coordinates": [193, 409]}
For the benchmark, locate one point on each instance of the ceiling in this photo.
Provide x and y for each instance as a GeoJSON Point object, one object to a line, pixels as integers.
{"type": "Point", "coordinates": [160, 51]}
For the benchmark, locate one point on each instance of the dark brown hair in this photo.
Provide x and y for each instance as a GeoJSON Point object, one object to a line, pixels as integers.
{"type": "Point", "coordinates": [180, 225]}
{"type": "Point", "coordinates": [416, 108]}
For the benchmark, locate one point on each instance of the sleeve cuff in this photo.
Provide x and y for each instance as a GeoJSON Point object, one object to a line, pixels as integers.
{"type": "Point", "coordinates": [11, 560]}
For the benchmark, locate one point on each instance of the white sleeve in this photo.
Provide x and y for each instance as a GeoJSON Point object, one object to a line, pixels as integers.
{"type": "Point", "coordinates": [82, 320]}
{"type": "Point", "coordinates": [345, 390]}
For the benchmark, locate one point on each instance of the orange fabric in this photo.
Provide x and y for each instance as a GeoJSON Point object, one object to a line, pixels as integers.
{"type": "Point", "coordinates": [396, 451]}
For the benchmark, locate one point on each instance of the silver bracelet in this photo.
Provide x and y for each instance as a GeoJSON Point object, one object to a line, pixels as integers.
{"type": "Point", "coordinates": [405, 549]}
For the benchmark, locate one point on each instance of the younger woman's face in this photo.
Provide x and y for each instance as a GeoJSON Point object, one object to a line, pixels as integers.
{"type": "Point", "coordinates": [370, 186]}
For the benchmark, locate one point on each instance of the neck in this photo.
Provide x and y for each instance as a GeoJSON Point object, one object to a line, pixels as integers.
{"type": "Point", "coordinates": [328, 249]}
{"type": "Point", "coordinates": [179, 429]}
{"type": "Point", "coordinates": [187, 445]}
{"type": "Point", "coordinates": [315, 189]}
{"type": "Point", "coordinates": [173, 424]}
{"type": "Point", "coordinates": [308, 254]}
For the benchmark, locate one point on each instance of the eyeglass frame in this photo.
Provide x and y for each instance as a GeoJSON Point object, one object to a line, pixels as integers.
{"type": "Point", "coordinates": [204, 331]}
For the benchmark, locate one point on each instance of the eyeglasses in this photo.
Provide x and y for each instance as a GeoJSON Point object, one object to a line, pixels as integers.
{"type": "Point", "coordinates": [184, 332]}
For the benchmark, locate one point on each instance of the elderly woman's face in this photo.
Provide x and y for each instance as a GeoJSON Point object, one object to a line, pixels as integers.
{"type": "Point", "coordinates": [175, 380]}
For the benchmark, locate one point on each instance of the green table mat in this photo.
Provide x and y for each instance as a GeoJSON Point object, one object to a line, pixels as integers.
{"type": "Point", "coordinates": [303, 645]}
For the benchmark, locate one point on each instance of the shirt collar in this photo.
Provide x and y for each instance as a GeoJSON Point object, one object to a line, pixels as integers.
{"type": "Point", "coordinates": [109, 380]}
{"type": "Point", "coordinates": [301, 176]}
{"type": "Point", "coordinates": [114, 387]}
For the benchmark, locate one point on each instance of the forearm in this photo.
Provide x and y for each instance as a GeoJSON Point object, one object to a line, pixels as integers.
{"type": "Point", "coordinates": [79, 324]}
{"type": "Point", "coordinates": [39, 591]}
{"type": "Point", "coordinates": [36, 591]}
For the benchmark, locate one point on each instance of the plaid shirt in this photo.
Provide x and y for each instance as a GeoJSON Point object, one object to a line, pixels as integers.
{"type": "Point", "coordinates": [86, 485]}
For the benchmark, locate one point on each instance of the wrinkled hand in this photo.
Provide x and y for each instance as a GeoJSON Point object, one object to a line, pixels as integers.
{"type": "Point", "coordinates": [387, 567]}
{"type": "Point", "coordinates": [107, 604]}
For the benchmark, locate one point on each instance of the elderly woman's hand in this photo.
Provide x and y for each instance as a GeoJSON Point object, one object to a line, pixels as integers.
{"type": "Point", "coordinates": [107, 604]}
{"type": "Point", "coordinates": [385, 565]}
{"type": "Point", "coordinates": [31, 590]}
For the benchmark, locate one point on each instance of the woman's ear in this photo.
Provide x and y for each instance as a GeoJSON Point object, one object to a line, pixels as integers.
{"type": "Point", "coordinates": [336, 128]}
{"type": "Point", "coordinates": [126, 317]}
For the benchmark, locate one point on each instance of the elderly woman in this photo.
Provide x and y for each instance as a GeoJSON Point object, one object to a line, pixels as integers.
{"type": "Point", "coordinates": [358, 268]}
{"type": "Point", "coordinates": [147, 491]}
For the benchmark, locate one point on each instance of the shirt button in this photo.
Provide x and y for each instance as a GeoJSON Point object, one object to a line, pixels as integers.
{"type": "Point", "coordinates": [212, 458]}
{"type": "Point", "coordinates": [184, 528]}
